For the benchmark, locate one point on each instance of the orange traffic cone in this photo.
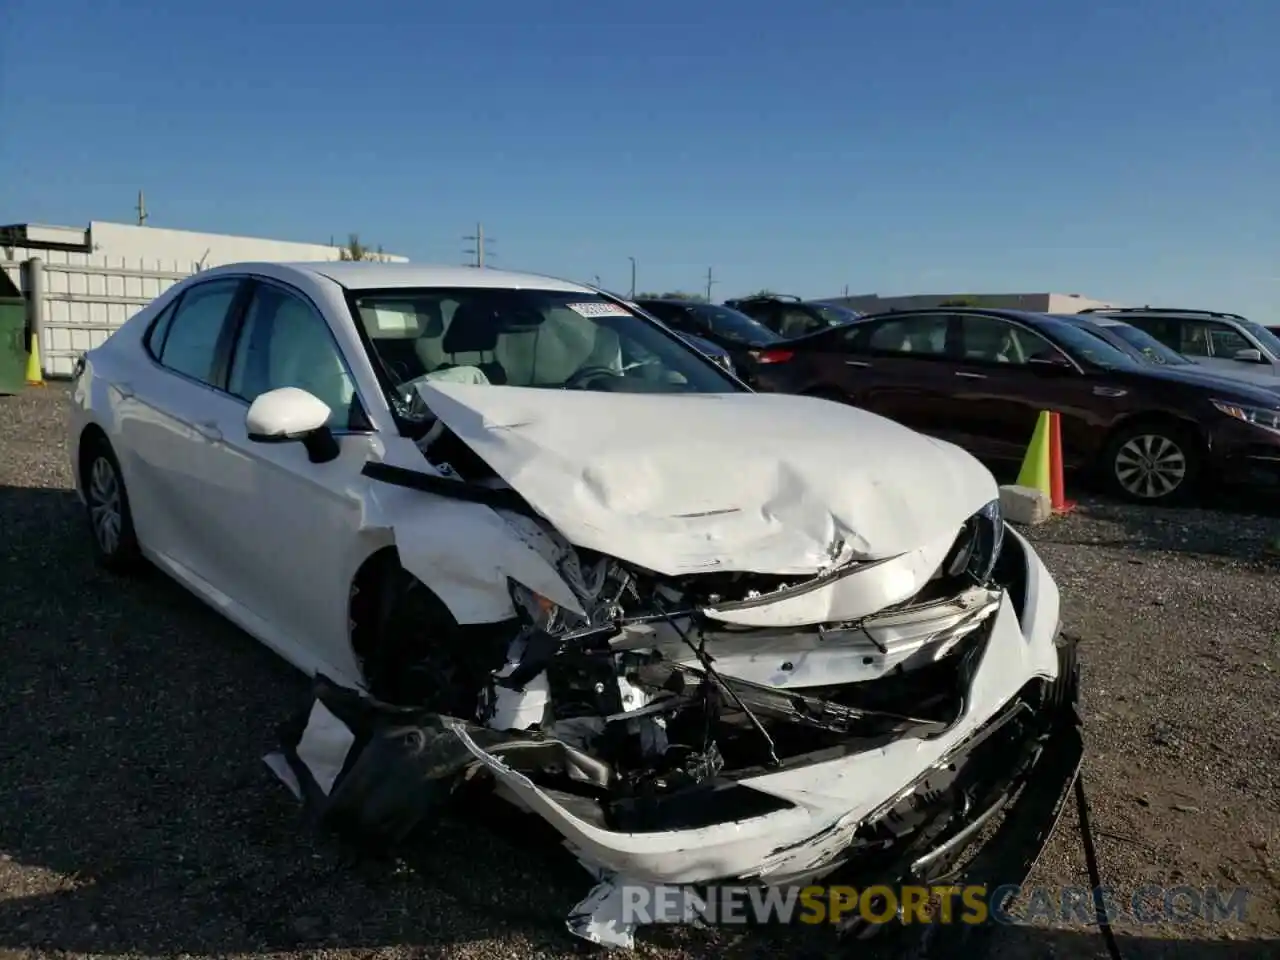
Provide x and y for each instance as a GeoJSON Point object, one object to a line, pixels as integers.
{"type": "Point", "coordinates": [1057, 491]}
{"type": "Point", "coordinates": [35, 371]}
{"type": "Point", "coordinates": [1035, 472]}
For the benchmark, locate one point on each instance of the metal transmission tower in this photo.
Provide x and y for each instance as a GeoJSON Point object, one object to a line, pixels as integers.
{"type": "Point", "coordinates": [478, 250]}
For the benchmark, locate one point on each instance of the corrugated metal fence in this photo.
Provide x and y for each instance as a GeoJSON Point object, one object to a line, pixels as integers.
{"type": "Point", "coordinates": [75, 300]}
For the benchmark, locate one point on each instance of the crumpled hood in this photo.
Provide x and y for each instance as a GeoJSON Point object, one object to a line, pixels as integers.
{"type": "Point", "coordinates": [697, 483]}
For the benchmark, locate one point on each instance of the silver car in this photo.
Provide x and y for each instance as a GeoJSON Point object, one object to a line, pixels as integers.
{"type": "Point", "coordinates": [1226, 342]}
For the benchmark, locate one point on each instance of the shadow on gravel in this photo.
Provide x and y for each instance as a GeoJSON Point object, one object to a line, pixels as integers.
{"type": "Point", "coordinates": [1234, 535]}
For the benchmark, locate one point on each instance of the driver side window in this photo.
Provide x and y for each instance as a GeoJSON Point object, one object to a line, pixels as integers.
{"type": "Point", "coordinates": [992, 340]}
{"type": "Point", "coordinates": [285, 343]}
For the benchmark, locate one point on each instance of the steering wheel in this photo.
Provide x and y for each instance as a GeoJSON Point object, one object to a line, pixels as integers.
{"type": "Point", "coordinates": [584, 375]}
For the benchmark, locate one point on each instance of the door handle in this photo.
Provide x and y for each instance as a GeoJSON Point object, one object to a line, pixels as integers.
{"type": "Point", "coordinates": [856, 363]}
{"type": "Point", "coordinates": [971, 376]}
{"type": "Point", "coordinates": [209, 430]}
{"type": "Point", "coordinates": [125, 389]}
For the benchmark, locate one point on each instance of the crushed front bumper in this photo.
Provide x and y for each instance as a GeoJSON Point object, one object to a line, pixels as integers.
{"type": "Point", "coordinates": [902, 812]}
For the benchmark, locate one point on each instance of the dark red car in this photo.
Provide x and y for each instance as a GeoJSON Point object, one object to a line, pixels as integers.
{"type": "Point", "coordinates": [980, 378]}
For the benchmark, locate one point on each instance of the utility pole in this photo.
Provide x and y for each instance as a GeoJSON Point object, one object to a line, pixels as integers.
{"type": "Point", "coordinates": [710, 282]}
{"type": "Point", "coordinates": [142, 210]}
{"type": "Point", "coordinates": [597, 279]}
{"type": "Point", "coordinates": [633, 277]}
{"type": "Point", "coordinates": [479, 251]}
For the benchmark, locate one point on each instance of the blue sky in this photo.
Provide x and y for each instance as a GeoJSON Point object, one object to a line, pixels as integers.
{"type": "Point", "coordinates": [1125, 149]}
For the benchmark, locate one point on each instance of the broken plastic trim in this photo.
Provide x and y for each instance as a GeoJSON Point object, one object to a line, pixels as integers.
{"type": "Point", "coordinates": [499, 499]}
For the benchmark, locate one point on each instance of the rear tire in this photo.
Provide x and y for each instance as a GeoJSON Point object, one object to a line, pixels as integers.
{"type": "Point", "coordinates": [1153, 462]}
{"type": "Point", "coordinates": [110, 519]}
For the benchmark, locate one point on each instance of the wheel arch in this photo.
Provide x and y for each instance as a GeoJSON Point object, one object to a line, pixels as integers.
{"type": "Point", "coordinates": [89, 439]}
{"type": "Point", "coordinates": [1183, 424]}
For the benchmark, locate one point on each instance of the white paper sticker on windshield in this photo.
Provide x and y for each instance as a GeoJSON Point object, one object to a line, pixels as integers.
{"type": "Point", "coordinates": [597, 310]}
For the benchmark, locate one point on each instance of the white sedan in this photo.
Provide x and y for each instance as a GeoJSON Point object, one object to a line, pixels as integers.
{"type": "Point", "coordinates": [745, 632]}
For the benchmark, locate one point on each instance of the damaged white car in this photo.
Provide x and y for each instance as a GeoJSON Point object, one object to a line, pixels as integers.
{"type": "Point", "coordinates": [538, 542]}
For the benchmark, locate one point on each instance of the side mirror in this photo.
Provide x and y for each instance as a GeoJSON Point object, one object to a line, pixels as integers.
{"type": "Point", "coordinates": [1248, 356]}
{"type": "Point", "coordinates": [289, 415]}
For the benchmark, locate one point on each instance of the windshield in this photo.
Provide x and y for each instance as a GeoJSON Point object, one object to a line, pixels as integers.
{"type": "Point", "coordinates": [1264, 336]}
{"type": "Point", "coordinates": [526, 338]}
{"type": "Point", "coordinates": [833, 315]}
{"type": "Point", "coordinates": [1147, 346]}
{"type": "Point", "coordinates": [1083, 345]}
{"type": "Point", "coordinates": [733, 325]}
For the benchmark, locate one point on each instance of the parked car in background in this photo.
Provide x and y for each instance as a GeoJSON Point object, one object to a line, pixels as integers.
{"type": "Point", "coordinates": [548, 526]}
{"type": "Point", "coordinates": [732, 332]}
{"type": "Point", "coordinates": [713, 352]}
{"type": "Point", "coordinates": [790, 316]}
{"type": "Point", "coordinates": [980, 378]}
{"type": "Point", "coordinates": [1224, 341]}
{"type": "Point", "coordinates": [1142, 346]}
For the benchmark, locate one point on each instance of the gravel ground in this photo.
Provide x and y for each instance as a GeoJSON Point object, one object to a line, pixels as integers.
{"type": "Point", "coordinates": [136, 818]}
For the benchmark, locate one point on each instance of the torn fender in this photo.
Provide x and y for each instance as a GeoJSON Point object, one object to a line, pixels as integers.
{"type": "Point", "coordinates": [463, 551]}
{"type": "Point", "coordinates": [695, 483]}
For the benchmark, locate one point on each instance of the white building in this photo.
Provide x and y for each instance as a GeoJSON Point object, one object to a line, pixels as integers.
{"type": "Point", "coordinates": [1035, 302]}
{"type": "Point", "coordinates": [83, 282]}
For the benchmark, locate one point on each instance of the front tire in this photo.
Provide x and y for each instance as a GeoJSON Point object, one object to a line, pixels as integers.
{"type": "Point", "coordinates": [1153, 463]}
{"type": "Point", "coordinates": [420, 656]}
{"type": "Point", "coordinates": [110, 519]}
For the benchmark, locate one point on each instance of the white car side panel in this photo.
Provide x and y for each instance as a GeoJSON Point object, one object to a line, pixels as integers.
{"type": "Point", "coordinates": [463, 551]}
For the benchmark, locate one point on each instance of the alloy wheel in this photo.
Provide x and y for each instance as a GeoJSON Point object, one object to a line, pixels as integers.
{"type": "Point", "coordinates": [105, 509]}
{"type": "Point", "coordinates": [1151, 466]}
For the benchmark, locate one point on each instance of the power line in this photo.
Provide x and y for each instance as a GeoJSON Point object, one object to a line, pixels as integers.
{"type": "Point", "coordinates": [479, 250]}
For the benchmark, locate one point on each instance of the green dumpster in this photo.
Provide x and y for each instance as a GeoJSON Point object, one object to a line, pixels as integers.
{"type": "Point", "coordinates": [13, 344]}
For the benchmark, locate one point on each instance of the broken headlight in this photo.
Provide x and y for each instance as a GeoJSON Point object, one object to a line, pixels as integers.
{"type": "Point", "coordinates": [977, 548]}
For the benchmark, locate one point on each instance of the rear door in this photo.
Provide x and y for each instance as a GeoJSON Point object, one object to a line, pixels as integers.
{"type": "Point", "coordinates": [168, 422]}
{"type": "Point", "coordinates": [897, 367]}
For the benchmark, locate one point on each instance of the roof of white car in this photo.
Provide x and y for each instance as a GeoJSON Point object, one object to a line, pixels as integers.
{"type": "Point", "coordinates": [368, 275]}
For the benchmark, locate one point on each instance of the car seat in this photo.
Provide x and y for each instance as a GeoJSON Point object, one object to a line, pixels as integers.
{"type": "Point", "coordinates": [474, 329]}
{"type": "Point", "coordinates": [538, 351]}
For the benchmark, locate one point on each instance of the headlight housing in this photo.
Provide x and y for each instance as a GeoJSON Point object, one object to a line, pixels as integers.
{"type": "Point", "coordinates": [977, 549]}
{"type": "Point", "coordinates": [1263, 417]}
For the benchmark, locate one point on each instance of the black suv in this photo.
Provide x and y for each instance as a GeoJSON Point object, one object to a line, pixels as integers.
{"type": "Point", "coordinates": [790, 316]}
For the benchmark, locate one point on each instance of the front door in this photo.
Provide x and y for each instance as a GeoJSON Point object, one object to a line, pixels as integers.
{"type": "Point", "coordinates": [290, 528]}
{"type": "Point", "coordinates": [1006, 375]}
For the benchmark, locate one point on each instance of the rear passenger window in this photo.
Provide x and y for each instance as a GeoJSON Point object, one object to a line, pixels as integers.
{"type": "Point", "coordinates": [921, 336]}
{"type": "Point", "coordinates": [160, 329]}
{"type": "Point", "coordinates": [191, 340]}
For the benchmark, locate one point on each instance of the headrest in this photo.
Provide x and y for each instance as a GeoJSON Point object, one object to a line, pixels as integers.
{"type": "Point", "coordinates": [473, 329]}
